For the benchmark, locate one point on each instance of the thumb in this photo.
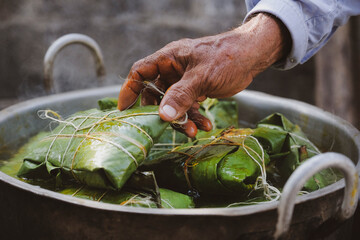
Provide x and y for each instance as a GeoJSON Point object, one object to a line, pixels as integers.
{"type": "Point", "coordinates": [178, 99]}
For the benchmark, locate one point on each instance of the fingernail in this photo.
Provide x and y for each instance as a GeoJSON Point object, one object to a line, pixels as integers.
{"type": "Point", "coordinates": [169, 111]}
{"type": "Point", "coordinates": [191, 131]}
{"type": "Point", "coordinates": [206, 125]}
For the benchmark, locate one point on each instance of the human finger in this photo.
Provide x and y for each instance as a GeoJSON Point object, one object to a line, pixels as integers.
{"type": "Point", "coordinates": [179, 98]}
{"type": "Point", "coordinates": [201, 99]}
{"type": "Point", "coordinates": [153, 92]}
{"type": "Point", "coordinates": [189, 128]}
{"type": "Point", "coordinates": [140, 71]}
{"type": "Point", "coordinates": [200, 120]}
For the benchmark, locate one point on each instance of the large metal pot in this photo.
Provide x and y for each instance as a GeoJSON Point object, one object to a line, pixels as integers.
{"type": "Point", "coordinates": [31, 212]}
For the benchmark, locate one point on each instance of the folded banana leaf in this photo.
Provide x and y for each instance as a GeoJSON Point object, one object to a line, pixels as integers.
{"type": "Point", "coordinates": [108, 103]}
{"type": "Point", "coordinates": [285, 142]}
{"type": "Point", "coordinates": [11, 166]}
{"type": "Point", "coordinates": [140, 190]}
{"type": "Point", "coordinates": [281, 131]}
{"type": "Point", "coordinates": [169, 199]}
{"type": "Point", "coordinates": [98, 148]}
{"type": "Point", "coordinates": [222, 113]}
{"type": "Point", "coordinates": [218, 162]}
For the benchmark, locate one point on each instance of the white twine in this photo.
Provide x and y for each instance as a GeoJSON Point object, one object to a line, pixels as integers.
{"type": "Point", "coordinates": [72, 137]}
{"type": "Point", "coordinates": [271, 193]}
{"type": "Point", "coordinates": [145, 201]}
{"type": "Point", "coordinates": [167, 202]}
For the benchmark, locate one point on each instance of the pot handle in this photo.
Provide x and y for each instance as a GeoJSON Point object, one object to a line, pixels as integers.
{"type": "Point", "coordinates": [299, 177]}
{"type": "Point", "coordinates": [64, 41]}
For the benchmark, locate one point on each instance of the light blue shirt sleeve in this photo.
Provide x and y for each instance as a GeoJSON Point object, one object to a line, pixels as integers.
{"type": "Point", "coordinates": [311, 23]}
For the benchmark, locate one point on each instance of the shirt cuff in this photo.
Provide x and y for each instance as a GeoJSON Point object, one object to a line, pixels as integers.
{"type": "Point", "coordinates": [289, 12]}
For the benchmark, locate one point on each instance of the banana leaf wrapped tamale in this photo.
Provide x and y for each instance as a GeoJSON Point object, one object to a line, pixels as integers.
{"type": "Point", "coordinates": [141, 190]}
{"type": "Point", "coordinates": [289, 147]}
{"type": "Point", "coordinates": [219, 162]}
{"type": "Point", "coordinates": [98, 148]}
{"type": "Point", "coordinates": [287, 139]}
{"type": "Point", "coordinates": [169, 198]}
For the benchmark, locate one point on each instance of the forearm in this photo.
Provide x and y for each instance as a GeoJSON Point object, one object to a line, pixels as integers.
{"type": "Point", "coordinates": [253, 47]}
{"type": "Point", "coordinates": [310, 23]}
{"type": "Point", "coordinates": [267, 40]}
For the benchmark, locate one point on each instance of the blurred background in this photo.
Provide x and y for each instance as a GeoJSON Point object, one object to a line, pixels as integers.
{"type": "Point", "coordinates": [128, 30]}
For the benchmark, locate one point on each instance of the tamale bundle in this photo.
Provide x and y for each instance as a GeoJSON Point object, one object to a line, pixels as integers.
{"type": "Point", "coordinates": [141, 190]}
{"type": "Point", "coordinates": [169, 198]}
{"type": "Point", "coordinates": [219, 162]}
{"type": "Point", "coordinates": [289, 147]}
{"type": "Point", "coordinates": [98, 148]}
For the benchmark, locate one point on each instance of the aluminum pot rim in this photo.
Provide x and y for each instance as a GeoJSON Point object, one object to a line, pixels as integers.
{"type": "Point", "coordinates": [234, 211]}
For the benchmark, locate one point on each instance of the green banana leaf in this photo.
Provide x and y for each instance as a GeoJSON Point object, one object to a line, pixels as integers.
{"type": "Point", "coordinates": [285, 142]}
{"type": "Point", "coordinates": [12, 165]}
{"type": "Point", "coordinates": [108, 103]}
{"type": "Point", "coordinates": [169, 199]}
{"type": "Point", "coordinates": [98, 148]}
{"type": "Point", "coordinates": [220, 162]}
{"type": "Point", "coordinates": [141, 190]}
{"type": "Point", "coordinates": [221, 113]}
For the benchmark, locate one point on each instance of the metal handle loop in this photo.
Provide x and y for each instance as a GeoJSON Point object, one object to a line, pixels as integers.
{"type": "Point", "coordinates": [64, 41]}
{"type": "Point", "coordinates": [299, 177]}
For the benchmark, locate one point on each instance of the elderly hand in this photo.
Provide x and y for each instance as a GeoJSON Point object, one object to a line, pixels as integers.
{"type": "Point", "coordinates": [189, 70]}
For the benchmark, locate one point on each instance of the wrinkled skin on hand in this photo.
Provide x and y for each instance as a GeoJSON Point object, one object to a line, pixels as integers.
{"type": "Point", "coordinates": [218, 66]}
